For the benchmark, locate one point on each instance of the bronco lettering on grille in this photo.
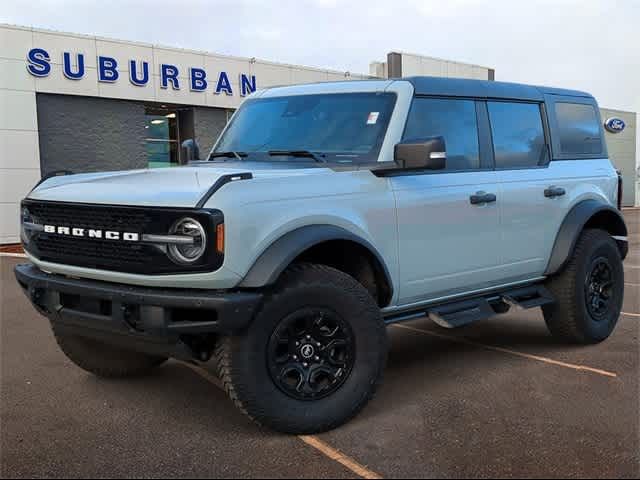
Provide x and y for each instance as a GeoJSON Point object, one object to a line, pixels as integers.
{"type": "Point", "coordinates": [92, 233]}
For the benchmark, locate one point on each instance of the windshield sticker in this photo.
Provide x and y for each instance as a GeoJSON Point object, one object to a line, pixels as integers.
{"type": "Point", "coordinates": [373, 118]}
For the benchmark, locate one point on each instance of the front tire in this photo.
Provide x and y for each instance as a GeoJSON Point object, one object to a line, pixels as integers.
{"type": "Point", "coordinates": [104, 360]}
{"type": "Point", "coordinates": [313, 356]}
{"type": "Point", "coordinates": [589, 291]}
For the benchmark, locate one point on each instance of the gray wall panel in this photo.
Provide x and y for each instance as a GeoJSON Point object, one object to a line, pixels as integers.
{"type": "Point", "coordinates": [88, 134]}
{"type": "Point", "coordinates": [622, 152]}
{"type": "Point", "coordinates": [208, 124]}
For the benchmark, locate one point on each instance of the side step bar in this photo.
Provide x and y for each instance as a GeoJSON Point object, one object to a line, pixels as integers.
{"type": "Point", "coordinates": [458, 314]}
{"type": "Point", "coordinates": [529, 297]}
{"type": "Point", "coordinates": [463, 312]}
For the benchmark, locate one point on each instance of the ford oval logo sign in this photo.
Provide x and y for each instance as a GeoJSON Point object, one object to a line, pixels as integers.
{"type": "Point", "coordinates": [614, 125]}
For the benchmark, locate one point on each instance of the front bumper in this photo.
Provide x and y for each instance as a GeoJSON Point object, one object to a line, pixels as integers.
{"type": "Point", "coordinates": [153, 320]}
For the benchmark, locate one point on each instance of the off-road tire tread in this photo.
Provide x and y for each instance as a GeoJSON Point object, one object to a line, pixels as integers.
{"type": "Point", "coordinates": [562, 317]}
{"type": "Point", "coordinates": [295, 276]}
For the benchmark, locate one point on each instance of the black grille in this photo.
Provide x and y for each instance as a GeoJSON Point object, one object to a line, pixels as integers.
{"type": "Point", "coordinates": [115, 255]}
{"type": "Point", "coordinates": [96, 253]}
{"type": "Point", "coordinates": [128, 219]}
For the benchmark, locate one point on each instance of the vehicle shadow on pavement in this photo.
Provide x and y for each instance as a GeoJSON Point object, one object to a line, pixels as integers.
{"type": "Point", "coordinates": [184, 393]}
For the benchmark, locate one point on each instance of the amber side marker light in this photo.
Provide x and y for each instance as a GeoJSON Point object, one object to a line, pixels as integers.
{"type": "Point", "coordinates": [220, 238]}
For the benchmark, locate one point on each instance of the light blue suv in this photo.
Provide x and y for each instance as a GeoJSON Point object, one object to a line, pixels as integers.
{"type": "Point", "coordinates": [324, 213]}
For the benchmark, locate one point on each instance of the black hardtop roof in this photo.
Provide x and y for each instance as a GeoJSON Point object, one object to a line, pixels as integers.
{"type": "Point", "coordinates": [461, 87]}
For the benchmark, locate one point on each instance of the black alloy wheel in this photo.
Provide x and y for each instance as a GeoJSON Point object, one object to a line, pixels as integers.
{"type": "Point", "coordinates": [598, 288]}
{"type": "Point", "coordinates": [311, 353]}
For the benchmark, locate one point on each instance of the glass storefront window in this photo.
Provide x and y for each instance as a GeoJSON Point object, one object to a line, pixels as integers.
{"type": "Point", "coordinates": [162, 138]}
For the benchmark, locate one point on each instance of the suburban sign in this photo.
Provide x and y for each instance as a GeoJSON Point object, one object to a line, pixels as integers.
{"type": "Point", "coordinates": [109, 70]}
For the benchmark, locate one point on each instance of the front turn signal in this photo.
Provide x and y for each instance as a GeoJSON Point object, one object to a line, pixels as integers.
{"type": "Point", "coordinates": [220, 238]}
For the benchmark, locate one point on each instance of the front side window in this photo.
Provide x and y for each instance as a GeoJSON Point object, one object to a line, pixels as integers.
{"type": "Point", "coordinates": [518, 135]}
{"type": "Point", "coordinates": [344, 127]}
{"type": "Point", "coordinates": [455, 121]}
{"type": "Point", "coordinates": [578, 129]}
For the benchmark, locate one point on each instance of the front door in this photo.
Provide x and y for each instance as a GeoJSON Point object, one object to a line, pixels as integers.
{"type": "Point", "coordinates": [448, 220]}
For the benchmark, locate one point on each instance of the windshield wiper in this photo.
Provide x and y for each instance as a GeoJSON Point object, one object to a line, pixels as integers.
{"type": "Point", "coordinates": [229, 154]}
{"type": "Point", "coordinates": [298, 153]}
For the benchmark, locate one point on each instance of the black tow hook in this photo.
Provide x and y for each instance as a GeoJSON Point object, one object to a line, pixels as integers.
{"type": "Point", "coordinates": [129, 317]}
{"type": "Point", "coordinates": [37, 296]}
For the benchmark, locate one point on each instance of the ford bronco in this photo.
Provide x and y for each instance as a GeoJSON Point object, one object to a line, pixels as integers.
{"type": "Point", "coordinates": [324, 213]}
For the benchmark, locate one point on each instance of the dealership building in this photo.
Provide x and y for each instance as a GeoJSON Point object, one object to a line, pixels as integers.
{"type": "Point", "coordinates": [83, 103]}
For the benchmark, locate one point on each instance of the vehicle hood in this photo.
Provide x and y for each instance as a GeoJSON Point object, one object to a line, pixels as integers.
{"type": "Point", "coordinates": [169, 187]}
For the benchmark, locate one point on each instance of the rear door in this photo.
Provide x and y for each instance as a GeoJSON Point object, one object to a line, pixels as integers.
{"type": "Point", "coordinates": [533, 195]}
{"type": "Point", "coordinates": [447, 245]}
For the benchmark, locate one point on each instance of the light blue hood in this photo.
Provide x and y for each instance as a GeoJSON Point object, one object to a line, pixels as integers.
{"type": "Point", "coordinates": [167, 187]}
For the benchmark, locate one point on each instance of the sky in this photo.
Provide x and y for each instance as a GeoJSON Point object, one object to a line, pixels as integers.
{"type": "Point", "coordinates": [591, 45]}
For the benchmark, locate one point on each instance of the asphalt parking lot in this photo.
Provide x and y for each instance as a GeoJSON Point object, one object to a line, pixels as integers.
{"type": "Point", "coordinates": [498, 398]}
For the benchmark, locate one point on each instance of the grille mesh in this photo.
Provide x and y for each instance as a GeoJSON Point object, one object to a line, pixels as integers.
{"type": "Point", "coordinates": [91, 216]}
{"type": "Point", "coordinates": [114, 255]}
{"type": "Point", "coordinates": [95, 253]}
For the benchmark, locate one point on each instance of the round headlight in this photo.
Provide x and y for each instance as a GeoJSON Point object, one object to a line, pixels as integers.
{"type": "Point", "coordinates": [195, 241]}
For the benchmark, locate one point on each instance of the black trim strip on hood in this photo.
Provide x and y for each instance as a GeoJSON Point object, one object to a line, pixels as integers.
{"type": "Point", "coordinates": [222, 181]}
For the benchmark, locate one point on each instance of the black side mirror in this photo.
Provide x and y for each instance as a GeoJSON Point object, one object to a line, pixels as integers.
{"type": "Point", "coordinates": [424, 154]}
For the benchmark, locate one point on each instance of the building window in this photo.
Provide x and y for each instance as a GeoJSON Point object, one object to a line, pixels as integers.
{"type": "Point", "coordinates": [162, 131]}
{"type": "Point", "coordinates": [518, 135]}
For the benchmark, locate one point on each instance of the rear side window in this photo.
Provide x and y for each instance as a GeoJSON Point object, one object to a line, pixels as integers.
{"type": "Point", "coordinates": [578, 129]}
{"type": "Point", "coordinates": [518, 134]}
{"type": "Point", "coordinates": [455, 120]}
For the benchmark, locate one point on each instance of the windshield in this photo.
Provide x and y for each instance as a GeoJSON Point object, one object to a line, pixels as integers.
{"type": "Point", "coordinates": [342, 127]}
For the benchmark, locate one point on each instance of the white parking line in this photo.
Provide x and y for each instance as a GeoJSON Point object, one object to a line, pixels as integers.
{"type": "Point", "coordinates": [631, 314]}
{"type": "Point", "coordinates": [339, 457]}
{"type": "Point", "coordinates": [311, 440]}
{"type": "Point", "coordinates": [12, 255]}
{"type": "Point", "coordinates": [204, 374]}
{"type": "Point", "coordinates": [512, 352]}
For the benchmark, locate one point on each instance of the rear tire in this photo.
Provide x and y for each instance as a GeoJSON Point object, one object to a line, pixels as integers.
{"type": "Point", "coordinates": [104, 360]}
{"type": "Point", "coordinates": [589, 291]}
{"type": "Point", "coordinates": [313, 356]}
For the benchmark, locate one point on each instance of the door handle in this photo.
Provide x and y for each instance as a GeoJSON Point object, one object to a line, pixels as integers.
{"type": "Point", "coordinates": [480, 198]}
{"type": "Point", "coordinates": [552, 192]}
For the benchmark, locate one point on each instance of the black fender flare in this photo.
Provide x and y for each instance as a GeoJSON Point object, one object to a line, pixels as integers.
{"type": "Point", "coordinates": [279, 255]}
{"type": "Point", "coordinates": [574, 223]}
